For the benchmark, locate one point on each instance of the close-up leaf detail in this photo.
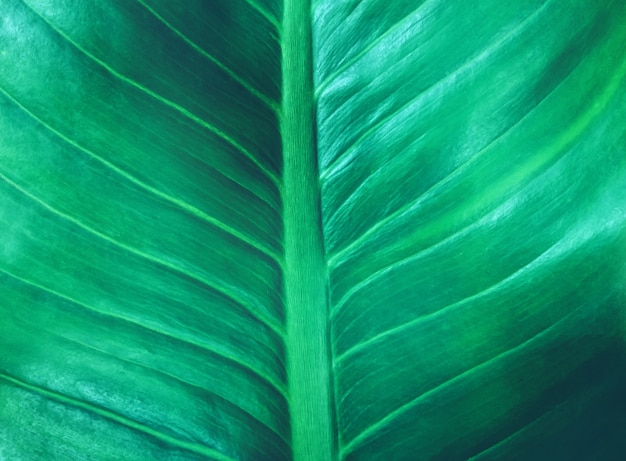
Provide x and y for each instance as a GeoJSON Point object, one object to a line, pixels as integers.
{"type": "Point", "coordinates": [312, 230]}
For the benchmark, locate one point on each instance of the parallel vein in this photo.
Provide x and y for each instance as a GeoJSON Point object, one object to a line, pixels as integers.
{"type": "Point", "coordinates": [117, 418]}
{"type": "Point", "coordinates": [267, 101]}
{"type": "Point", "coordinates": [529, 266]}
{"type": "Point", "coordinates": [380, 272]}
{"type": "Point", "coordinates": [194, 211]}
{"type": "Point", "coordinates": [567, 136]}
{"type": "Point", "coordinates": [468, 65]}
{"type": "Point", "coordinates": [377, 426]}
{"type": "Point", "coordinates": [322, 86]}
{"type": "Point", "coordinates": [267, 321]}
{"type": "Point", "coordinates": [178, 379]}
{"type": "Point", "coordinates": [280, 388]}
{"type": "Point", "coordinates": [271, 19]}
{"type": "Point", "coordinates": [178, 108]}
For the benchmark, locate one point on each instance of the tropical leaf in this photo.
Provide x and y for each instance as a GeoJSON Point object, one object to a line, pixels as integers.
{"type": "Point", "coordinates": [267, 230]}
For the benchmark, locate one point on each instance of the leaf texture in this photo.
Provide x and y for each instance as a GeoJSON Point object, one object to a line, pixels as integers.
{"type": "Point", "coordinates": [472, 170]}
{"type": "Point", "coordinates": [141, 241]}
{"type": "Point", "coordinates": [266, 230]}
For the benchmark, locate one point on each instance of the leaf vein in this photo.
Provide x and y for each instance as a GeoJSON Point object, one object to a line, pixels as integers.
{"type": "Point", "coordinates": [187, 207]}
{"type": "Point", "coordinates": [468, 65]}
{"type": "Point", "coordinates": [270, 323]}
{"type": "Point", "coordinates": [270, 18]}
{"type": "Point", "coordinates": [180, 380]}
{"type": "Point", "coordinates": [117, 418]}
{"type": "Point", "coordinates": [421, 252]}
{"type": "Point", "coordinates": [347, 64]}
{"type": "Point", "coordinates": [529, 266]}
{"type": "Point", "coordinates": [178, 108]}
{"type": "Point", "coordinates": [266, 100]}
{"type": "Point", "coordinates": [373, 428]}
{"type": "Point", "coordinates": [332, 260]}
{"type": "Point", "coordinates": [280, 388]}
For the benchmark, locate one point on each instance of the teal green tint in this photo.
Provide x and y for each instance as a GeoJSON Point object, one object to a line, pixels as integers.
{"type": "Point", "coordinates": [312, 230]}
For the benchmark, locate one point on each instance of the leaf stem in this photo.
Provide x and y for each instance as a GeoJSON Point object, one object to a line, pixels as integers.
{"type": "Point", "coordinates": [305, 272]}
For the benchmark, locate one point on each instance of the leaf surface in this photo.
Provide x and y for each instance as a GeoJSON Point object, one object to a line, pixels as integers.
{"type": "Point", "coordinates": [341, 230]}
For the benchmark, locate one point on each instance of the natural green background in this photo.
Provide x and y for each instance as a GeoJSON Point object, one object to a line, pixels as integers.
{"type": "Point", "coordinates": [360, 230]}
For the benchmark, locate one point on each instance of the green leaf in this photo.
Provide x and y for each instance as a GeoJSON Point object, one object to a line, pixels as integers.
{"type": "Point", "coordinates": [264, 230]}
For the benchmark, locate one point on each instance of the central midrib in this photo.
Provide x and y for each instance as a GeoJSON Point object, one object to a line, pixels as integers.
{"type": "Point", "coordinates": [307, 344]}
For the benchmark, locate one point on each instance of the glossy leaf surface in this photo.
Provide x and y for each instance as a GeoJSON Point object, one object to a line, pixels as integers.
{"type": "Point", "coordinates": [346, 230]}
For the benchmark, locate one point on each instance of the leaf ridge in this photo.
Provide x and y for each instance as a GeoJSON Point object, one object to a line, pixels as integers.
{"type": "Point", "coordinates": [117, 418]}
{"type": "Point", "coordinates": [258, 94]}
{"type": "Point", "coordinates": [388, 267]}
{"type": "Point", "coordinates": [267, 321]}
{"type": "Point", "coordinates": [578, 126]}
{"type": "Point", "coordinates": [220, 353]}
{"type": "Point", "coordinates": [118, 170]}
{"type": "Point", "coordinates": [540, 420]}
{"type": "Point", "coordinates": [178, 108]}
